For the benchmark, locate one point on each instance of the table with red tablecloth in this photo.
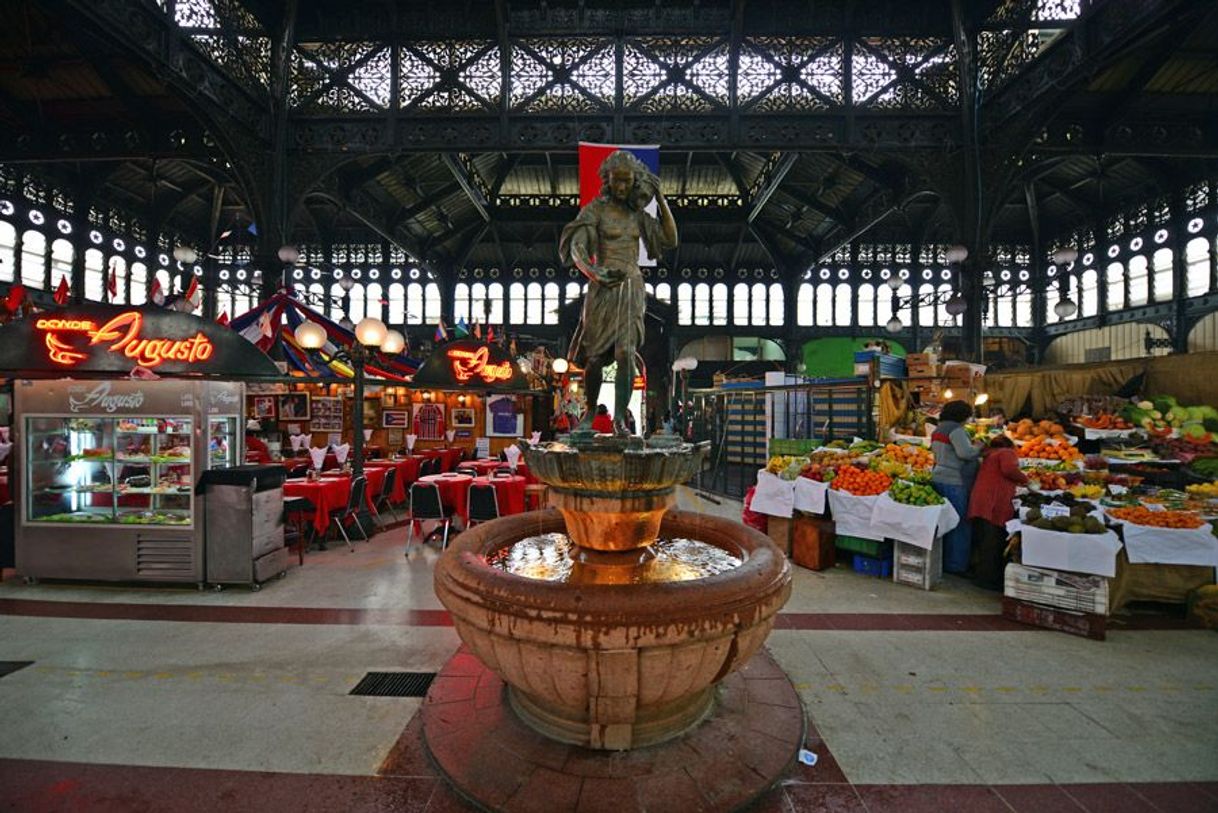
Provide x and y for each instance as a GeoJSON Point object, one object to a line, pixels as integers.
{"type": "Point", "coordinates": [376, 479]}
{"type": "Point", "coordinates": [486, 466]}
{"type": "Point", "coordinates": [326, 494]}
{"type": "Point", "coordinates": [509, 493]}
{"type": "Point", "coordinates": [4, 493]}
{"type": "Point", "coordinates": [454, 492]}
{"type": "Point", "coordinates": [407, 473]}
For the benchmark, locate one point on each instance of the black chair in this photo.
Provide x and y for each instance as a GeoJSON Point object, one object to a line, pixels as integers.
{"type": "Point", "coordinates": [429, 467]}
{"type": "Point", "coordinates": [502, 471]}
{"type": "Point", "coordinates": [472, 472]}
{"type": "Point", "coordinates": [425, 504]}
{"type": "Point", "coordinates": [299, 471]}
{"type": "Point", "coordinates": [385, 498]}
{"type": "Point", "coordinates": [503, 456]}
{"type": "Point", "coordinates": [483, 503]}
{"type": "Point", "coordinates": [350, 513]}
{"type": "Point", "coordinates": [296, 511]}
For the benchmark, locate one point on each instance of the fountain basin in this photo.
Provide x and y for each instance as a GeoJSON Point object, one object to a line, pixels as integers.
{"type": "Point", "coordinates": [613, 666]}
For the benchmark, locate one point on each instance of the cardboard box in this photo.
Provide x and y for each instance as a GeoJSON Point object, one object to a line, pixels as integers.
{"type": "Point", "coordinates": [812, 542]}
{"type": "Point", "coordinates": [925, 359]}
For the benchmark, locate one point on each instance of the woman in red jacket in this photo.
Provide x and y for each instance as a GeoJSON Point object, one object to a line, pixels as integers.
{"type": "Point", "coordinates": [990, 508]}
{"type": "Point", "coordinates": [602, 422]}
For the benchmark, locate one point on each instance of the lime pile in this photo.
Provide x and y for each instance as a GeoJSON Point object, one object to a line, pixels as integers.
{"type": "Point", "coordinates": [909, 493]}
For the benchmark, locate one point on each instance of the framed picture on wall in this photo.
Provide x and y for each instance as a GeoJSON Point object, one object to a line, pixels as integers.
{"type": "Point", "coordinates": [429, 421]}
{"type": "Point", "coordinates": [504, 417]}
{"type": "Point", "coordinates": [327, 414]}
{"type": "Point", "coordinates": [395, 438]}
{"type": "Point", "coordinates": [395, 419]}
{"type": "Point", "coordinates": [388, 401]}
{"type": "Point", "coordinates": [294, 406]}
{"type": "Point", "coordinates": [463, 417]}
{"type": "Point", "coordinates": [264, 407]}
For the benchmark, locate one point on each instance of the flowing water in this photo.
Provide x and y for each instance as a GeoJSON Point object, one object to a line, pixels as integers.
{"type": "Point", "coordinates": [553, 557]}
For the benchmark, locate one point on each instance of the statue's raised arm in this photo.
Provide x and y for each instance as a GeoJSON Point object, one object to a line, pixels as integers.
{"type": "Point", "coordinates": [603, 243]}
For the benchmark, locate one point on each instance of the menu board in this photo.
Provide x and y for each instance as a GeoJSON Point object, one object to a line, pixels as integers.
{"type": "Point", "coordinates": [327, 414]}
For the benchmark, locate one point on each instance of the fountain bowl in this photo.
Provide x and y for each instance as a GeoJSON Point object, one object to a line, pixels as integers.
{"type": "Point", "coordinates": [613, 666]}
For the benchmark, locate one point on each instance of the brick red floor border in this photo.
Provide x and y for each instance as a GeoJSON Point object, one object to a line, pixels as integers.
{"type": "Point", "coordinates": [229, 614]}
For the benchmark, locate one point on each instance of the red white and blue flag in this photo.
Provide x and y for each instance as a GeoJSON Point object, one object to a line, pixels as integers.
{"type": "Point", "coordinates": [590, 158]}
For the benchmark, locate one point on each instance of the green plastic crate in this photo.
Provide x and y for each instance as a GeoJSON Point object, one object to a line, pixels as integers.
{"type": "Point", "coordinates": [868, 547]}
{"type": "Point", "coordinates": [792, 446]}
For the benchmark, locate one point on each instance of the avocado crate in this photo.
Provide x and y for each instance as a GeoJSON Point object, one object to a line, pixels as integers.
{"type": "Point", "coordinates": [917, 567]}
{"type": "Point", "coordinates": [874, 548]}
{"type": "Point", "coordinates": [1056, 588]}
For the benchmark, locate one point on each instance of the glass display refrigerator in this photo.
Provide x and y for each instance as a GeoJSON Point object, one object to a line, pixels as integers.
{"type": "Point", "coordinates": [120, 459]}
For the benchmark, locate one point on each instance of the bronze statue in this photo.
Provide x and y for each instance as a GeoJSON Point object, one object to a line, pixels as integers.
{"type": "Point", "coordinates": [603, 243]}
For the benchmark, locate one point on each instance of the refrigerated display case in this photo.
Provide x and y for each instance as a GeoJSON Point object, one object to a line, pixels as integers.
{"type": "Point", "coordinates": [123, 459]}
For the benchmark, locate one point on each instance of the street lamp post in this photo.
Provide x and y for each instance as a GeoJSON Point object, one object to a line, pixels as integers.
{"type": "Point", "coordinates": [370, 335]}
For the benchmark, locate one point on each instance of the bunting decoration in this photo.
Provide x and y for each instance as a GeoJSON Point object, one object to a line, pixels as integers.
{"type": "Point", "coordinates": [62, 291]}
{"type": "Point", "coordinates": [222, 319]}
{"type": "Point", "coordinates": [193, 295]}
{"type": "Point", "coordinates": [441, 333]}
{"type": "Point", "coordinates": [490, 334]}
{"type": "Point", "coordinates": [461, 329]}
{"type": "Point", "coordinates": [156, 295]}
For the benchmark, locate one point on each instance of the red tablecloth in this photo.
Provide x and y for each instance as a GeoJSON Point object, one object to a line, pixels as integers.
{"type": "Point", "coordinates": [4, 495]}
{"type": "Point", "coordinates": [325, 494]}
{"type": "Point", "coordinates": [376, 478]}
{"type": "Point", "coordinates": [454, 492]}
{"type": "Point", "coordinates": [509, 491]}
{"type": "Point", "coordinates": [407, 473]}
{"type": "Point", "coordinates": [485, 465]}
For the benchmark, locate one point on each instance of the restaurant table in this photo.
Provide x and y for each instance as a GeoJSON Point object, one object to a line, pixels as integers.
{"type": "Point", "coordinates": [407, 472]}
{"type": "Point", "coordinates": [454, 492]}
{"type": "Point", "coordinates": [326, 495]}
{"type": "Point", "coordinates": [509, 492]}
{"type": "Point", "coordinates": [376, 478]}
{"type": "Point", "coordinates": [487, 465]}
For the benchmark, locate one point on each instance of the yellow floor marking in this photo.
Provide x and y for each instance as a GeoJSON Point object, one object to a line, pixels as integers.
{"type": "Point", "coordinates": [103, 674]}
{"type": "Point", "coordinates": [1137, 688]}
{"type": "Point", "coordinates": [163, 675]}
{"type": "Point", "coordinates": [936, 688]}
{"type": "Point", "coordinates": [1007, 689]}
{"type": "Point", "coordinates": [133, 675]}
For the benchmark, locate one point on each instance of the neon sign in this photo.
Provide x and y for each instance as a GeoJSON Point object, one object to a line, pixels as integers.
{"type": "Point", "coordinates": [469, 363]}
{"type": "Point", "coordinates": [123, 331]}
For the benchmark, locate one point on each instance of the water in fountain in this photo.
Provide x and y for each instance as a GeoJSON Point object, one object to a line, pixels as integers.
{"type": "Point", "coordinates": [553, 557]}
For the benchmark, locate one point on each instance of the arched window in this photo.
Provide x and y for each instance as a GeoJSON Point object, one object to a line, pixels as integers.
{"type": "Point", "coordinates": [494, 292]}
{"type": "Point", "coordinates": [1165, 287]}
{"type": "Point", "coordinates": [95, 286]}
{"type": "Point", "coordinates": [357, 303]}
{"type": "Point", "coordinates": [685, 304]}
{"type": "Point", "coordinates": [516, 302]}
{"type": "Point", "coordinates": [397, 303]}
{"type": "Point", "coordinates": [551, 303]}
{"type": "Point", "coordinates": [1005, 307]}
{"type": "Point", "coordinates": [243, 301]}
{"type": "Point", "coordinates": [338, 300]}
{"type": "Point", "coordinates": [1139, 281]}
{"type": "Point", "coordinates": [1115, 277]}
{"type": "Point", "coordinates": [433, 303]}
{"type": "Point", "coordinates": [719, 304]}
{"type": "Point", "coordinates": [62, 253]}
{"type": "Point", "coordinates": [299, 290]}
{"type": "Point", "coordinates": [740, 303]}
{"type": "Point", "coordinates": [317, 297]}
{"type": "Point", "coordinates": [824, 305]}
{"type": "Point", "coordinates": [139, 276]}
{"type": "Point", "coordinates": [760, 311]}
{"type": "Point", "coordinates": [1089, 293]}
{"type": "Point", "coordinates": [33, 259]}
{"type": "Point", "coordinates": [866, 305]}
{"type": "Point", "coordinates": [664, 292]}
{"type": "Point", "coordinates": [8, 244]}
{"type": "Point", "coordinates": [842, 304]}
{"type": "Point", "coordinates": [534, 312]}
{"type": "Point", "coordinates": [373, 306]}
{"type": "Point", "coordinates": [883, 305]}
{"type": "Point", "coordinates": [1023, 308]}
{"type": "Point", "coordinates": [461, 301]}
{"type": "Point", "coordinates": [778, 305]}
{"type": "Point", "coordinates": [945, 293]}
{"type": "Point", "coordinates": [571, 292]}
{"type": "Point", "coordinates": [805, 305]}
{"type": "Point", "coordinates": [477, 303]}
{"type": "Point", "coordinates": [1197, 267]}
{"type": "Point", "coordinates": [702, 304]}
{"type": "Point", "coordinates": [926, 305]}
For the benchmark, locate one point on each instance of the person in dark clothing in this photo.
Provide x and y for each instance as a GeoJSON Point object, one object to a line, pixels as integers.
{"type": "Point", "coordinates": [990, 508]}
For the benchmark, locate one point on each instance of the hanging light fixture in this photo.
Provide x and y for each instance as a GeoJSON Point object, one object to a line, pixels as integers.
{"type": "Point", "coordinates": [289, 254]}
{"type": "Point", "coordinates": [956, 305]}
{"type": "Point", "coordinates": [346, 283]}
{"type": "Point", "coordinates": [1065, 308]}
{"type": "Point", "coordinates": [988, 280]}
{"type": "Point", "coordinates": [894, 325]}
{"type": "Point", "coordinates": [1064, 256]}
{"type": "Point", "coordinates": [346, 324]}
{"type": "Point", "coordinates": [560, 366]}
{"type": "Point", "coordinates": [895, 281]}
{"type": "Point", "coordinates": [948, 394]}
{"type": "Point", "coordinates": [394, 343]}
{"type": "Point", "coordinates": [981, 399]}
{"type": "Point", "coordinates": [310, 335]}
{"type": "Point", "coordinates": [185, 254]}
{"type": "Point", "coordinates": [371, 332]}
{"type": "Point", "coordinates": [957, 253]}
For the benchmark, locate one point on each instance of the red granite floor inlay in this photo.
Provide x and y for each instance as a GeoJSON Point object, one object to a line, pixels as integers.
{"type": "Point", "coordinates": [229, 614]}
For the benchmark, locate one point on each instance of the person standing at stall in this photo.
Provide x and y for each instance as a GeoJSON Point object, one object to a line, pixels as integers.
{"type": "Point", "coordinates": [952, 476]}
{"type": "Point", "coordinates": [990, 508]}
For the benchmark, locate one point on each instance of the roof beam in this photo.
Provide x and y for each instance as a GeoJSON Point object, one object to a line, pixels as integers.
{"type": "Point", "coordinates": [784, 165]}
{"type": "Point", "coordinates": [467, 185]}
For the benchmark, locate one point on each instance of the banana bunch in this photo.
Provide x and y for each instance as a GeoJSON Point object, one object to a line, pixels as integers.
{"type": "Point", "coordinates": [893, 404]}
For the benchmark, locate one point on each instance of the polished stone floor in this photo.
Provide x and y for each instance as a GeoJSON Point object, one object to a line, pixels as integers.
{"type": "Point", "coordinates": [175, 699]}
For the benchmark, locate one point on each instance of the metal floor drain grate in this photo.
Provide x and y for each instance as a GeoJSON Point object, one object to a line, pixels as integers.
{"type": "Point", "coordinates": [394, 684]}
{"type": "Point", "coordinates": [8, 667]}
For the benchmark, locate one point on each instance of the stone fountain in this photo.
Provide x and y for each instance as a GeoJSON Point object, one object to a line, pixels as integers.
{"type": "Point", "coordinates": [605, 638]}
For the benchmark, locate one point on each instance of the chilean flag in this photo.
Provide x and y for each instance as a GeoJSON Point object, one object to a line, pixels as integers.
{"type": "Point", "coordinates": [590, 158]}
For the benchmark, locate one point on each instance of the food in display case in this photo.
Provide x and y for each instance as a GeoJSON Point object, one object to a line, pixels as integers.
{"type": "Point", "coordinates": [121, 470]}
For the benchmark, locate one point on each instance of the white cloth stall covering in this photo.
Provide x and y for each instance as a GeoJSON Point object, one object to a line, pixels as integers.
{"type": "Point", "coordinates": [774, 495]}
{"type": "Point", "coordinates": [918, 525]}
{"type": "Point", "coordinates": [852, 515]}
{"type": "Point", "coordinates": [1170, 546]}
{"type": "Point", "coordinates": [810, 495]}
{"type": "Point", "coordinates": [1057, 550]}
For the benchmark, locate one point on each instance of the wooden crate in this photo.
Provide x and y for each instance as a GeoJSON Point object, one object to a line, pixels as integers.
{"type": "Point", "coordinates": [1087, 625]}
{"type": "Point", "coordinates": [779, 530]}
{"type": "Point", "coordinates": [812, 542]}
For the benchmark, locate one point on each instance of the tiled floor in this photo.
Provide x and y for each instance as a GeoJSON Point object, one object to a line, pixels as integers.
{"type": "Point", "coordinates": [174, 699]}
